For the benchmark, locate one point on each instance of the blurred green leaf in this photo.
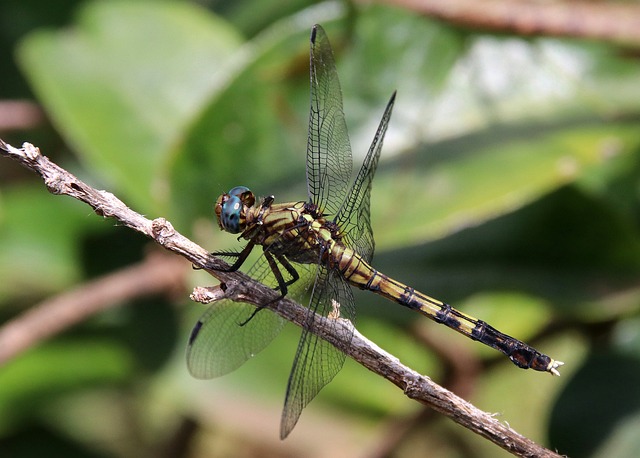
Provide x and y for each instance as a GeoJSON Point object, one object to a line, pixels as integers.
{"type": "Point", "coordinates": [151, 332]}
{"type": "Point", "coordinates": [251, 17]}
{"type": "Point", "coordinates": [36, 378]}
{"type": "Point", "coordinates": [624, 441]}
{"type": "Point", "coordinates": [124, 83]}
{"type": "Point", "coordinates": [39, 233]}
{"type": "Point", "coordinates": [38, 440]}
{"type": "Point", "coordinates": [241, 136]}
{"type": "Point", "coordinates": [598, 399]}
{"type": "Point", "coordinates": [455, 184]}
{"type": "Point", "coordinates": [543, 249]}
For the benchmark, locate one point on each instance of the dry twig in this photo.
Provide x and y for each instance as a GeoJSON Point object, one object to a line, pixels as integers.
{"type": "Point", "coordinates": [240, 287]}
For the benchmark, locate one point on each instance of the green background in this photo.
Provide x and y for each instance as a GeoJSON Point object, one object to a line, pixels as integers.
{"type": "Point", "coordinates": [508, 186]}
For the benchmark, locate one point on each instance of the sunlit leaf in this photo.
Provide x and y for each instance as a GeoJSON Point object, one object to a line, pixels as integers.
{"type": "Point", "coordinates": [123, 84]}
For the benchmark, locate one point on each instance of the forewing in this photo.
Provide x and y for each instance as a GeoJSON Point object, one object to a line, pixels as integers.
{"type": "Point", "coordinates": [317, 361]}
{"type": "Point", "coordinates": [219, 344]}
{"type": "Point", "coordinates": [329, 163]}
{"type": "Point", "coordinates": [354, 215]}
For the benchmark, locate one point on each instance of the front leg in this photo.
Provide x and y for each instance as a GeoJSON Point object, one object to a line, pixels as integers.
{"type": "Point", "coordinates": [242, 257]}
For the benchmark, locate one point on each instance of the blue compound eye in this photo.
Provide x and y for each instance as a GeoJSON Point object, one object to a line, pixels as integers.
{"type": "Point", "coordinates": [238, 191]}
{"type": "Point", "coordinates": [231, 213]}
{"type": "Point", "coordinates": [246, 196]}
{"type": "Point", "coordinates": [231, 207]}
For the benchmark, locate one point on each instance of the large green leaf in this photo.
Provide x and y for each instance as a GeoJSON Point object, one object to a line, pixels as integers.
{"type": "Point", "coordinates": [242, 136]}
{"type": "Point", "coordinates": [601, 397]}
{"type": "Point", "coordinates": [36, 379]}
{"type": "Point", "coordinates": [125, 81]}
{"type": "Point", "coordinates": [39, 233]}
{"type": "Point", "coordinates": [456, 184]}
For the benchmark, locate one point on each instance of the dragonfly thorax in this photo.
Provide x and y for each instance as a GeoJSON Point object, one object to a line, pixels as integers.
{"type": "Point", "coordinates": [231, 209]}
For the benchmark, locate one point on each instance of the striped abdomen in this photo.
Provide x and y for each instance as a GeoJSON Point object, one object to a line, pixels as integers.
{"type": "Point", "coordinates": [359, 273]}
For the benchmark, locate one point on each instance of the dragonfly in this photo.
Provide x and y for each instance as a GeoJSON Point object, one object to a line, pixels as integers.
{"type": "Point", "coordinates": [318, 247]}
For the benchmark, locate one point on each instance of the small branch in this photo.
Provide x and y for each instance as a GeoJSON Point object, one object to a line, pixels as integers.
{"type": "Point", "coordinates": [157, 274]}
{"type": "Point", "coordinates": [618, 22]}
{"type": "Point", "coordinates": [19, 114]}
{"type": "Point", "coordinates": [238, 286]}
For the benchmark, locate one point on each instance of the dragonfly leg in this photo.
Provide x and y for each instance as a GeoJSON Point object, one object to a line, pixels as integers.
{"type": "Point", "coordinates": [241, 257]}
{"type": "Point", "coordinates": [290, 269]}
{"type": "Point", "coordinates": [283, 285]}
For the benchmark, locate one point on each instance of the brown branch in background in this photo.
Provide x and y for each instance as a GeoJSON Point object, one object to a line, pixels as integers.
{"type": "Point", "coordinates": [159, 273]}
{"type": "Point", "coordinates": [19, 115]}
{"type": "Point", "coordinates": [239, 286]}
{"type": "Point", "coordinates": [618, 22]}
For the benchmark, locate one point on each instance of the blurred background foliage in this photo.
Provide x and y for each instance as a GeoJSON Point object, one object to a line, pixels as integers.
{"type": "Point", "coordinates": [508, 186]}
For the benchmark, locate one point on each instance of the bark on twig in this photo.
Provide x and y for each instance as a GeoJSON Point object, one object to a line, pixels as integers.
{"type": "Point", "coordinates": [238, 286]}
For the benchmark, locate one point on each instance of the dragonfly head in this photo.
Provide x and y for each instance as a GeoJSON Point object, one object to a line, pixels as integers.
{"type": "Point", "coordinates": [231, 209]}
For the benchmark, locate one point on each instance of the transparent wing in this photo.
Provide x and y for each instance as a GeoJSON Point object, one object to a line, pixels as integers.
{"type": "Point", "coordinates": [317, 361]}
{"type": "Point", "coordinates": [354, 215]}
{"type": "Point", "coordinates": [329, 163]}
{"type": "Point", "coordinates": [219, 345]}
